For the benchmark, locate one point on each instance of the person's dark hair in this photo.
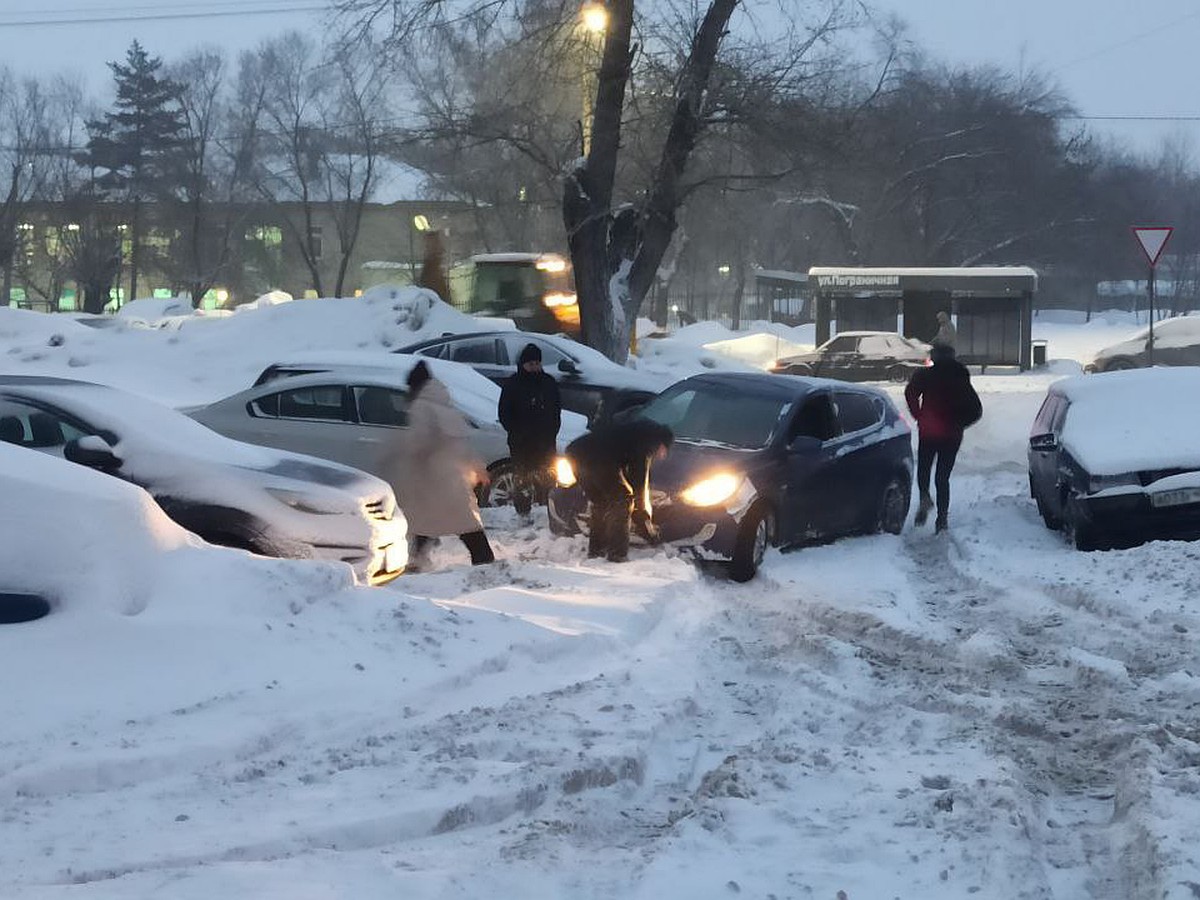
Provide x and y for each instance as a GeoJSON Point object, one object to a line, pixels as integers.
{"type": "Point", "coordinates": [417, 377]}
{"type": "Point", "coordinates": [941, 353]}
{"type": "Point", "coordinates": [648, 435]}
{"type": "Point", "coordinates": [531, 353]}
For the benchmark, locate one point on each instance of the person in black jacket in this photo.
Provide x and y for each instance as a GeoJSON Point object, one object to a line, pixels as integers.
{"type": "Point", "coordinates": [943, 403]}
{"type": "Point", "coordinates": [612, 466]}
{"type": "Point", "coordinates": [531, 412]}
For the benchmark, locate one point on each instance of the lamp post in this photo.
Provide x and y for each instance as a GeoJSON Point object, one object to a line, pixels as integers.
{"type": "Point", "coordinates": [419, 223]}
{"type": "Point", "coordinates": [594, 19]}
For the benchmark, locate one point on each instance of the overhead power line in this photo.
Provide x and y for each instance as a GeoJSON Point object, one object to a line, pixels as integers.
{"type": "Point", "coordinates": [158, 17]}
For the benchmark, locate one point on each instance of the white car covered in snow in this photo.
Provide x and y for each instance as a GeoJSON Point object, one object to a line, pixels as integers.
{"type": "Point", "coordinates": [1114, 459]}
{"type": "Point", "coordinates": [271, 502]}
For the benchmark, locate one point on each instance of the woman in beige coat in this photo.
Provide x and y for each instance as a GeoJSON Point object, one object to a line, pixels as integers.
{"type": "Point", "coordinates": [437, 492]}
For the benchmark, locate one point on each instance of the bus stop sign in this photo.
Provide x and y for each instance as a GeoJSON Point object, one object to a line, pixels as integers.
{"type": "Point", "coordinates": [1152, 239]}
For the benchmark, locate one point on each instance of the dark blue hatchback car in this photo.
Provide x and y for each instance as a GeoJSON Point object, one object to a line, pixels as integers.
{"type": "Point", "coordinates": [764, 460]}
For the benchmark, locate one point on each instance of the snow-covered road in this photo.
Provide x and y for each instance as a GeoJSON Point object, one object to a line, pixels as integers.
{"type": "Point", "coordinates": [986, 713]}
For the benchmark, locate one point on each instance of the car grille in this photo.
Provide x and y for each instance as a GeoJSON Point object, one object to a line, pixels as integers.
{"type": "Point", "coordinates": [1149, 476]}
{"type": "Point", "coordinates": [377, 509]}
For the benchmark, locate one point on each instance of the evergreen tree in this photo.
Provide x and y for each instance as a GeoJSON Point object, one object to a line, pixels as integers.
{"type": "Point", "coordinates": [135, 144]}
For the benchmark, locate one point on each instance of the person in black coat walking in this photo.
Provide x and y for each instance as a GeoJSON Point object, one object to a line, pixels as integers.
{"type": "Point", "coordinates": [944, 403]}
{"type": "Point", "coordinates": [531, 413]}
{"type": "Point", "coordinates": [612, 466]}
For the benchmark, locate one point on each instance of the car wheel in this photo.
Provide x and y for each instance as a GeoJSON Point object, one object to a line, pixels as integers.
{"type": "Point", "coordinates": [1120, 364]}
{"type": "Point", "coordinates": [899, 374]}
{"type": "Point", "coordinates": [504, 482]}
{"type": "Point", "coordinates": [1079, 531]}
{"type": "Point", "coordinates": [754, 537]}
{"type": "Point", "coordinates": [893, 506]}
{"type": "Point", "coordinates": [801, 370]}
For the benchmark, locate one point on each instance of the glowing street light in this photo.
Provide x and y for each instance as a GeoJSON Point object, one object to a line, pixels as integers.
{"type": "Point", "coordinates": [594, 17]}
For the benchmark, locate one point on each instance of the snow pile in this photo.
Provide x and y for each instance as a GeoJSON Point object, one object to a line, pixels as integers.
{"type": "Point", "coordinates": [984, 713]}
{"type": "Point", "coordinates": [194, 366]}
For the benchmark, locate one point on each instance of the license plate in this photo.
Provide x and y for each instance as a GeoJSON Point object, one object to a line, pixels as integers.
{"type": "Point", "coordinates": [1175, 498]}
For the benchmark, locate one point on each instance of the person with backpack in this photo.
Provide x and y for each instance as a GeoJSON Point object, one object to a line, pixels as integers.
{"type": "Point", "coordinates": [944, 404]}
{"type": "Point", "coordinates": [531, 412]}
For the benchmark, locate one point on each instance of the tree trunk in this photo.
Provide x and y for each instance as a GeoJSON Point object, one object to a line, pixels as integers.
{"type": "Point", "coordinates": [616, 256]}
{"type": "Point", "coordinates": [135, 242]}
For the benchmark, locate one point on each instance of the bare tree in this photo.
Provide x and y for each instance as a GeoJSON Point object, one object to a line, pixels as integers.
{"type": "Point", "coordinates": [211, 173]}
{"type": "Point", "coordinates": [619, 227]}
{"type": "Point", "coordinates": [322, 124]}
{"type": "Point", "coordinates": [25, 139]}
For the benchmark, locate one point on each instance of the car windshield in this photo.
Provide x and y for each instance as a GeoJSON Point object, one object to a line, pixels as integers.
{"type": "Point", "coordinates": [718, 414]}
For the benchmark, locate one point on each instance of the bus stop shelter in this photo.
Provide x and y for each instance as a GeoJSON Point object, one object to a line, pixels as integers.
{"type": "Point", "coordinates": [992, 307]}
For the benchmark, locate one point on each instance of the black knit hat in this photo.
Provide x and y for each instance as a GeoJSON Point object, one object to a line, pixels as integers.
{"type": "Point", "coordinates": [941, 353]}
{"type": "Point", "coordinates": [531, 353]}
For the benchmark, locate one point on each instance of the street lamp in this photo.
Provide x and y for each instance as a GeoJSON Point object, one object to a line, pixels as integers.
{"type": "Point", "coordinates": [594, 19]}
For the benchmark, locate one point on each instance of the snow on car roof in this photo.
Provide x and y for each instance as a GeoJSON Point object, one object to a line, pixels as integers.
{"type": "Point", "coordinates": [1132, 420]}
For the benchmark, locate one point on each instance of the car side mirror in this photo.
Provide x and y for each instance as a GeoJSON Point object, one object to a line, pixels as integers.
{"type": "Point", "coordinates": [1043, 442]}
{"type": "Point", "coordinates": [568, 366]}
{"type": "Point", "coordinates": [92, 451]}
{"type": "Point", "coordinates": [803, 443]}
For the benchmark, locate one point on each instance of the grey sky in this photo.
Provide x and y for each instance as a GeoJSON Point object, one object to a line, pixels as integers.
{"type": "Point", "coordinates": [1112, 57]}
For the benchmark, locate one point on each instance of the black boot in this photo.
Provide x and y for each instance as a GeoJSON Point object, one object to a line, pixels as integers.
{"type": "Point", "coordinates": [477, 543]}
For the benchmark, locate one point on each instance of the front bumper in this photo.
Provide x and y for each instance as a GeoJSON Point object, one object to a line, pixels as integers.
{"type": "Point", "coordinates": [709, 533]}
{"type": "Point", "coordinates": [385, 559]}
{"type": "Point", "coordinates": [1132, 517]}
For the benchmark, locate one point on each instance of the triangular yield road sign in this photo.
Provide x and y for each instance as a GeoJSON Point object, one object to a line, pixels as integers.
{"type": "Point", "coordinates": [1152, 238]}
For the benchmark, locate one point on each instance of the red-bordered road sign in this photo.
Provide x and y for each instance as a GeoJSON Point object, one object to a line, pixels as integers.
{"type": "Point", "coordinates": [1152, 239]}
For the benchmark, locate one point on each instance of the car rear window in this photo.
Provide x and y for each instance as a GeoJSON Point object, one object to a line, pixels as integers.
{"type": "Point", "coordinates": [325, 402]}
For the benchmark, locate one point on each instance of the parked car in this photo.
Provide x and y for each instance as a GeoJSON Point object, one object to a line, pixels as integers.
{"type": "Point", "coordinates": [764, 460]}
{"type": "Point", "coordinates": [227, 492]}
{"type": "Point", "coordinates": [589, 382]}
{"type": "Point", "coordinates": [1114, 459]}
{"type": "Point", "coordinates": [1176, 343]}
{"type": "Point", "coordinates": [353, 414]}
{"type": "Point", "coordinates": [860, 356]}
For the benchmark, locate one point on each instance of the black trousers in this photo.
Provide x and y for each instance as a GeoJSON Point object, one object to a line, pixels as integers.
{"type": "Point", "coordinates": [531, 477]}
{"type": "Point", "coordinates": [476, 543]}
{"type": "Point", "coordinates": [612, 506]}
{"type": "Point", "coordinates": [944, 451]}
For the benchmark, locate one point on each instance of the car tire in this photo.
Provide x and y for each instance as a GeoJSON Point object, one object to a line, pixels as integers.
{"type": "Point", "coordinates": [503, 478]}
{"type": "Point", "coordinates": [893, 506]}
{"type": "Point", "coordinates": [1053, 522]}
{"type": "Point", "coordinates": [802, 371]}
{"type": "Point", "coordinates": [1083, 534]}
{"type": "Point", "coordinates": [1120, 364]}
{"type": "Point", "coordinates": [756, 534]}
{"type": "Point", "coordinates": [899, 374]}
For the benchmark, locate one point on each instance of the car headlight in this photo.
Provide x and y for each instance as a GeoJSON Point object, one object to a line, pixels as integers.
{"type": "Point", "coordinates": [712, 490]}
{"type": "Point", "coordinates": [304, 503]}
{"type": "Point", "coordinates": [564, 472]}
{"type": "Point", "coordinates": [1103, 482]}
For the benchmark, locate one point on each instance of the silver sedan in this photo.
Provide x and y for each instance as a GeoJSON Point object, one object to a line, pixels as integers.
{"type": "Point", "coordinates": [355, 415]}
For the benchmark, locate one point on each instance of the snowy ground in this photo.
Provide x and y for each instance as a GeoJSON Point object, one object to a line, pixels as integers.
{"type": "Point", "coordinates": [984, 714]}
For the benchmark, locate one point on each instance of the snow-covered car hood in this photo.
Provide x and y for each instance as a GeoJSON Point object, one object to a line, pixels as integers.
{"type": "Point", "coordinates": [1132, 421]}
